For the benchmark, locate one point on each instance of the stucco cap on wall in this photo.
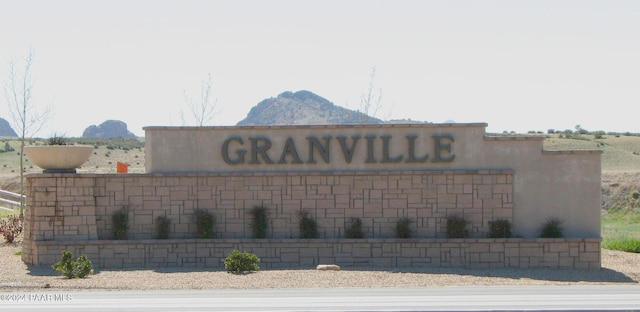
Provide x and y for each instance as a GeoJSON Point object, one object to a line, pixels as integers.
{"type": "Point", "coordinates": [514, 138]}
{"type": "Point", "coordinates": [391, 125]}
{"type": "Point", "coordinates": [575, 152]}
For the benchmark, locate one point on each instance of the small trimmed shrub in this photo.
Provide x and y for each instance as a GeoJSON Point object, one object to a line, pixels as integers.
{"type": "Point", "coordinates": [205, 224]}
{"type": "Point", "coordinates": [120, 221]}
{"type": "Point", "coordinates": [500, 229]}
{"type": "Point", "coordinates": [457, 227]}
{"type": "Point", "coordinates": [79, 268]}
{"type": "Point", "coordinates": [238, 262]}
{"type": "Point", "coordinates": [308, 226]}
{"type": "Point", "coordinates": [552, 228]}
{"type": "Point", "coordinates": [353, 228]}
{"type": "Point", "coordinates": [403, 228]}
{"type": "Point", "coordinates": [260, 223]}
{"type": "Point", "coordinates": [163, 225]}
{"type": "Point", "coordinates": [10, 228]}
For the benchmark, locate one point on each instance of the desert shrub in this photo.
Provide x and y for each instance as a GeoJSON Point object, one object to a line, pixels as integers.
{"type": "Point", "coordinates": [238, 262]}
{"type": "Point", "coordinates": [7, 148]}
{"type": "Point", "coordinates": [57, 139]}
{"type": "Point", "coordinates": [622, 243]}
{"type": "Point", "coordinates": [552, 228]}
{"type": "Point", "coordinates": [205, 224]}
{"type": "Point", "coordinates": [120, 221]}
{"type": "Point", "coordinates": [10, 228]}
{"type": "Point", "coordinates": [500, 229]}
{"type": "Point", "coordinates": [308, 226]}
{"type": "Point", "coordinates": [78, 268]}
{"type": "Point", "coordinates": [259, 224]}
{"type": "Point", "coordinates": [163, 225]}
{"type": "Point", "coordinates": [353, 228]}
{"type": "Point", "coordinates": [457, 227]}
{"type": "Point", "coordinates": [403, 228]}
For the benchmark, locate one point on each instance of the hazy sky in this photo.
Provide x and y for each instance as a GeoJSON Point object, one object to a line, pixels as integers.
{"type": "Point", "coordinates": [517, 65]}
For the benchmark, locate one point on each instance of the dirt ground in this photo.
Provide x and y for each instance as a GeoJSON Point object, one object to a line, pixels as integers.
{"type": "Point", "coordinates": [617, 268]}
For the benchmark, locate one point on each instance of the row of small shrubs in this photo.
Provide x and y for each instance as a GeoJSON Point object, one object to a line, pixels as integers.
{"type": "Point", "coordinates": [81, 267]}
{"type": "Point", "coordinates": [456, 227]}
{"type": "Point", "coordinates": [205, 224]}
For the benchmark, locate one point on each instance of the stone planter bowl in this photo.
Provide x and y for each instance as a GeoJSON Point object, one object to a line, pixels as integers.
{"type": "Point", "coordinates": [58, 158]}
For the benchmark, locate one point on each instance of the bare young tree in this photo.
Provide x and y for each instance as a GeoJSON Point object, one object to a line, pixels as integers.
{"type": "Point", "coordinates": [370, 101]}
{"type": "Point", "coordinates": [18, 91]}
{"type": "Point", "coordinates": [203, 110]}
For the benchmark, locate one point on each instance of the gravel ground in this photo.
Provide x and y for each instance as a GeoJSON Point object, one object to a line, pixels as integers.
{"type": "Point", "coordinates": [618, 267]}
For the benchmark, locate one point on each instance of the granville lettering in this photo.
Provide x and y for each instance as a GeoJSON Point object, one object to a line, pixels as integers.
{"type": "Point", "coordinates": [237, 150]}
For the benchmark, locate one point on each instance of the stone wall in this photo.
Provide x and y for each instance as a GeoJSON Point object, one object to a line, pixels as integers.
{"type": "Point", "coordinates": [81, 206]}
{"type": "Point", "coordinates": [74, 212]}
{"type": "Point", "coordinates": [307, 253]}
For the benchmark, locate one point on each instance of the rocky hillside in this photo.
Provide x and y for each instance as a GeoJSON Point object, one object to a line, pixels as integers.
{"type": "Point", "coordinates": [302, 108]}
{"type": "Point", "coordinates": [108, 129]}
{"type": "Point", "coordinates": [6, 130]}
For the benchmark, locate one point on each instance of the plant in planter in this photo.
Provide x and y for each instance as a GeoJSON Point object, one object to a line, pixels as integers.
{"type": "Point", "coordinates": [403, 228]}
{"type": "Point", "coordinates": [500, 228]}
{"type": "Point", "coordinates": [353, 228]}
{"type": "Point", "coordinates": [205, 224]}
{"type": "Point", "coordinates": [308, 226]}
{"type": "Point", "coordinates": [260, 223]}
{"type": "Point", "coordinates": [59, 155]}
{"type": "Point", "coordinates": [552, 228]}
{"type": "Point", "coordinates": [120, 220]}
{"type": "Point", "coordinates": [457, 227]}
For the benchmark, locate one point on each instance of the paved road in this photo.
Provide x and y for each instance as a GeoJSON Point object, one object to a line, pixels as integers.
{"type": "Point", "coordinates": [587, 297]}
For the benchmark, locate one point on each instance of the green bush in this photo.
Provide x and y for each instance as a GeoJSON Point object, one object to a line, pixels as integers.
{"type": "Point", "coordinates": [10, 228]}
{"type": "Point", "coordinates": [353, 228]}
{"type": "Point", "coordinates": [260, 224]}
{"type": "Point", "coordinates": [308, 226]}
{"type": "Point", "coordinates": [457, 227]}
{"type": "Point", "coordinates": [120, 221]}
{"type": "Point", "coordinates": [500, 229]}
{"type": "Point", "coordinates": [403, 228]}
{"type": "Point", "coordinates": [552, 228]}
{"type": "Point", "coordinates": [163, 225]}
{"type": "Point", "coordinates": [205, 224]}
{"type": "Point", "coordinates": [238, 262]}
{"type": "Point", "coordinates": [79, 268]}
{"type": "Point", "coordinates": [622, 243]}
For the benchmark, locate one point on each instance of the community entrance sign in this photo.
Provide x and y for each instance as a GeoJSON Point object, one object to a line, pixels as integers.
{"type": "Point", "coordinates": [379, 174]}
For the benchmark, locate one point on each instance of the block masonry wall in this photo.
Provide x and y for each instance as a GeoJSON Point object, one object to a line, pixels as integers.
{"type": "Point", "coordinates": [82, 206]}
{"type": "Point", "coordinates": [74, 212]}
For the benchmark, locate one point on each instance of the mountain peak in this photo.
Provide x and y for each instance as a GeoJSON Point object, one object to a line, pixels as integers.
{"type": "Point", "coordinates": [108, 129]}
{"type": "Point", "coordinates": [301, 108]}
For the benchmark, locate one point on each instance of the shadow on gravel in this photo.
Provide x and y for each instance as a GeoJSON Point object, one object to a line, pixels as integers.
{"type": "Point", "coordinates": [48, 271]}
{"type": "Point", "coordinates": [41, 271]}
{"type": "Point", "coordinates": [558, 275]}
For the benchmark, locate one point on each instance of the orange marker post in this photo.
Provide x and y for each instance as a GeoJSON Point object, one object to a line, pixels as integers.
{"type": "Point", "coordinates": [122, 167]}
